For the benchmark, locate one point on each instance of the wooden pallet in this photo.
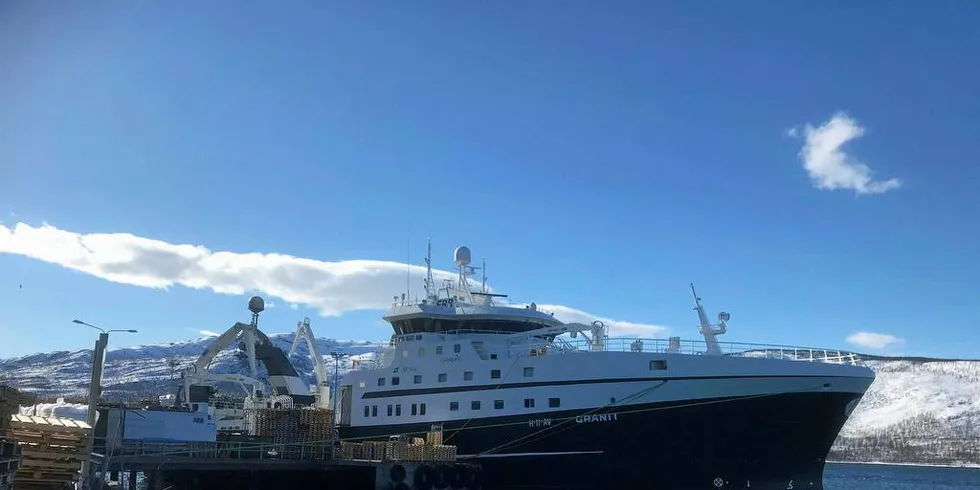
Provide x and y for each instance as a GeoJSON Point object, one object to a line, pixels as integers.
{"type": "Point", "coordinates": [53, 450]}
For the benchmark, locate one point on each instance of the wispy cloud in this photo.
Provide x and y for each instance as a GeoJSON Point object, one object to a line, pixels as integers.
{"type": "Point", "coordinates": [872, 340]}
{"type": "Point", "coordinates": [829, 166]}
{"type": "Point", "coordinates": [209, 333]}
{"type": "Point", "coordinates": [333, 288]}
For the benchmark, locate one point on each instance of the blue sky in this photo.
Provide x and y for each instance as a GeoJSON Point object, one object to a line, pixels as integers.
{"type": "Point", "coordinates": [601, 157]}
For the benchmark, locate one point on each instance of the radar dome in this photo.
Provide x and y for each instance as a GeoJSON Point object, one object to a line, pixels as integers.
{"type": "Point", "coordinates": [462, 256]}
{"type": "Point", "coordinates": [256, 304]}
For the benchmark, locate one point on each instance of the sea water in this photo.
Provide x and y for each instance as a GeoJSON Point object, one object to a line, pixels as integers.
{"type": "Point", "coordinates": [893, 477]}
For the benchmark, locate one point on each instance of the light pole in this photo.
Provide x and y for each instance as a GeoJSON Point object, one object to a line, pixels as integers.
{"type": "Point", "coordinates": [336, 379]}
{"type": "Point", "coordinates": [95, 387]}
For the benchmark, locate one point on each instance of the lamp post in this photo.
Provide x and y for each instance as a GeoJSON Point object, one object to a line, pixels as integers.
{"type": "Point", "coordinates": [95, 387]}
{"type": "Point", "coordinates": [336, 379]}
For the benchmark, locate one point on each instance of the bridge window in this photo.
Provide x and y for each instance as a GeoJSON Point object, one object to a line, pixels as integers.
{"type": "Point", "coordinates": [374, 410]}
{"type": "Point", "coordinates": [453, 406]}
{"type": "Point", "coordinates": [421, 351]}
{"type": "Point", "coordinates": [381, 381]}
{"type": "Point", "coordinates": [367, 411]}
{"type": "Point", "coordinates": [398, 410]}
{"type": "Point", "coordinates": [475, 405]}
{"type": "Point", "coordinates": [468, 376]}
{"type": "Point", "coordinates": [498, 404]}
{"type": "Point", "coordinates": [554, 402]}
{"type": "Point", "coordinates": [418, 379]}
{"type": "Point", "coordinates": [395, 381]}
{"type": "Point", "coordinates": [389, 410]}
{"type": "Point", "coordinates": [438, 350]}
{"type": "Point", "coordinates": [528, 372]}
{"type": "Point", "coordinates": [457, 348]}
{"type": "Point", "coordinates": [421, 409]}
{"type": "Point", "coordinates": [442, 377]}
{"type": "Point", "coordinates": [361, 384]}
{"type": "Point", "coordinates": [415, 409]}
{"type": "Point", "coordinates": [493, 356]}
{"type": "Point", "coordinates": [529, 403]}
{"type": "Point", "coordinates": [495, 374]}
{"type": "Point", "coordinates": [658, 365]}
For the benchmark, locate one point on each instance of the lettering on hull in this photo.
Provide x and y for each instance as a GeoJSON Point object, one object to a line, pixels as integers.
{"type": "Point", "coordinates": [539, 423]}
{"type": "Point", "coordinates": [599, 417]}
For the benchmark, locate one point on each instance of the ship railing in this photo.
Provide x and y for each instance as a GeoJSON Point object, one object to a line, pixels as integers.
{"type": "Point", "coordinates": [699, 347]}
{"type": "Point", "coordinates": [501, 302]}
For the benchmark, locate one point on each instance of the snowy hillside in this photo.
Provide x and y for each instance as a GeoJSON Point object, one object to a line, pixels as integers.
{"type": "Point", "coordinates": [134, 372]}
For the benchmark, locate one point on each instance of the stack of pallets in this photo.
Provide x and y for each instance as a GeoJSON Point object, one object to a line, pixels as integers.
{"type": "Point", "coordinates": [301, 433]}
{"type": "Point", "coordinates": [10, 451]}
{"type": "Point", "coordinates": [53, 450]}
{"type": "Point", "coordinates": [397, 450]}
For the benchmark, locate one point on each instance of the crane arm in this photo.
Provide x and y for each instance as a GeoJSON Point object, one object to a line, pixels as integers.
{"type": "Point", "coordinates": [304, 332]}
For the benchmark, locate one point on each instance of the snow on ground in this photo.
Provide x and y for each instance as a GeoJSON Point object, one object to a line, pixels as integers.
{"type": "Point", "coordinates": [902, 390]}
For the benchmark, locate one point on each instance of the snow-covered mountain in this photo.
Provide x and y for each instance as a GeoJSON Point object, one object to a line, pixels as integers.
{"type": "Point", "coordinates": [133, 373]}
{"type": "Point", "coordinates": [912, 401]}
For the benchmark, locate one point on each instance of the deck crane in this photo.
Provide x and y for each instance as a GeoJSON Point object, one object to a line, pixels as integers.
{"type": "Point", "coordinates": [287, 389]}
{"type": "Point", "coordinates": [322, 390]}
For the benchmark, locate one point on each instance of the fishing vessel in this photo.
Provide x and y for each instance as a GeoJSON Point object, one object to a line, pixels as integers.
{"type": "Point", "coordinates": [542, 403]}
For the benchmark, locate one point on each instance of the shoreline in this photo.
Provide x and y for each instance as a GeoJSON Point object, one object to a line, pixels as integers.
{"type": "Point", "coordinates": [972, 466]}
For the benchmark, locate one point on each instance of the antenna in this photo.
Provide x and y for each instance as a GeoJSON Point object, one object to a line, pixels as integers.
{"type": "Point", "coordinates": [709, 331]}
{"type": "Point", "coordinates": [484, 269]}
{"type": "Point", "coordinates": [428, 273]}
{"type": "Point", "coordinates": [408, 268]}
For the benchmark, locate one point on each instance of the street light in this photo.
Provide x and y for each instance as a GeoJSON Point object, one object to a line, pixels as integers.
{"type": "Point", "coordinates": [98, 359]}
{"type": "Point", "coordinates": [100, 328]}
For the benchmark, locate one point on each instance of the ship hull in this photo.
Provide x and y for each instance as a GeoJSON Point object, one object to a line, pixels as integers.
{"type": "Point", "coordinates": [766, 442]}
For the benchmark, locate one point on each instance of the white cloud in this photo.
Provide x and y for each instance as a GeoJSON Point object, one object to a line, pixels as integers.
{"type": "Point", "coordinates": [616, 328]}
{"type": "Point", "coordinates": [874, 340]}
{"type": "Point", "coordinates": [333, 288]}
{"type": "Point", "coordinates": [828, 166]}
{"type": "Point", "coordinates": [210, 333]}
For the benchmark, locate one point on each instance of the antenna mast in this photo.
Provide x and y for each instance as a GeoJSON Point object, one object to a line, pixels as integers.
{"type": "Point", "coordinates": [709, 331]}
{"type": "Point", "coordinates": [429, 295]}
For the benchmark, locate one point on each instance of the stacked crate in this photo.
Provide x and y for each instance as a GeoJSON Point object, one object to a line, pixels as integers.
{"type": "Point", "coordinates": [53, 450]}
{"type": "Point", "coordinates": [397, 450]}
{"type": "Point", "coordinates": [298, 433]}
{"type": "Point", "coordinates": [10, 451]}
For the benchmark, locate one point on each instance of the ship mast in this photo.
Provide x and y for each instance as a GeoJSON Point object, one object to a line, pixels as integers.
{"type": "Point", "coordinates": [709, 331]}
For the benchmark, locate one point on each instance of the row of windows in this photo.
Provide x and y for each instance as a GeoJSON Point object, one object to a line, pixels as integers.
{"type": "Point", "coordinates": [499, 404]}
{"type": "Point", "coordinates": [467, 376]}
{"type": "Point", "coordinates": [396, 410]}
{"type": "Point", "coordinates": [419, 408]}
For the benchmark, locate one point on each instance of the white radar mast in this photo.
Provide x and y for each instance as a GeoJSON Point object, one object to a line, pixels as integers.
{"type": "Point", "coordinates": [709, 331]}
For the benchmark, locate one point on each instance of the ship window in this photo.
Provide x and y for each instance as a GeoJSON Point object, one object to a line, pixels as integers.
{"type": "Point", "coordinates": [528, 372]}
{"type": "Point", "coordinates": [405, 353]}
{"type": "Point", "coordinates": [418, 337]}
{"type": "Point", "coordinates": [381, 381]}
{"type": "Point", "coordinates": [389, 410]}
{"type": "Point", "coordinates": [367, 411]}
{"type": "Point", "coordinates": [442, 377]}
{"type": "Point", "coordinates": [498, 404]}
{"type": "Point", "coordinates": [398, 410]}
{"type": "Point", "coordinates": [374, 410]}
{"type": "Point", "coordinates": [421, 351]}
{"type": "Point", "coordinates": [438, 350]}
{"type": "Point", "coordinates": [475, 405]}
{"type": "Point", "coordinates": [468, 375]}
{"type": "Point", "coordinates": [495, 374]}
{"type": "Point", "coordinates": [658, 365]}
{"type": "Point", "coordinates": [395, 381]}
{"type": "Point", "coordinates": [493, 356]}
{"type": "Point", "coordinates": [361, 384]}
{"type": "Point", "coordinates": [415, 409]}
{"type": "Point", "coordinates": [529, 403]}
{"type": "Point", "coordinates": [554, 402]}
{"type": "Point", "coordinates": [418, 379]}
{"type": "Point", "coordinates": [457, 348]}
{"type": "Point", "coordinates": [453, 406]}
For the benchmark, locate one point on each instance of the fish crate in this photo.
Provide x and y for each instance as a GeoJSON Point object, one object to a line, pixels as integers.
{"type": "Point", "coordinates": [294, 424]}
{"type": "Point", "coordinates": [368, 450]}
{"type": "Point", "coordinates": [52, 450]}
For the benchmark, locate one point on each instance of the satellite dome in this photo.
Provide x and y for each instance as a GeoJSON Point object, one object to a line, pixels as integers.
{"type": "Point", "coordinates": [256, 304]}
{"type": "Point", "coordinates": [462, 256]}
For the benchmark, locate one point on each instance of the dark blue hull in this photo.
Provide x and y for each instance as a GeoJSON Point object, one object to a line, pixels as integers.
{"type": "Point", "coordinates": [775, 442]}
